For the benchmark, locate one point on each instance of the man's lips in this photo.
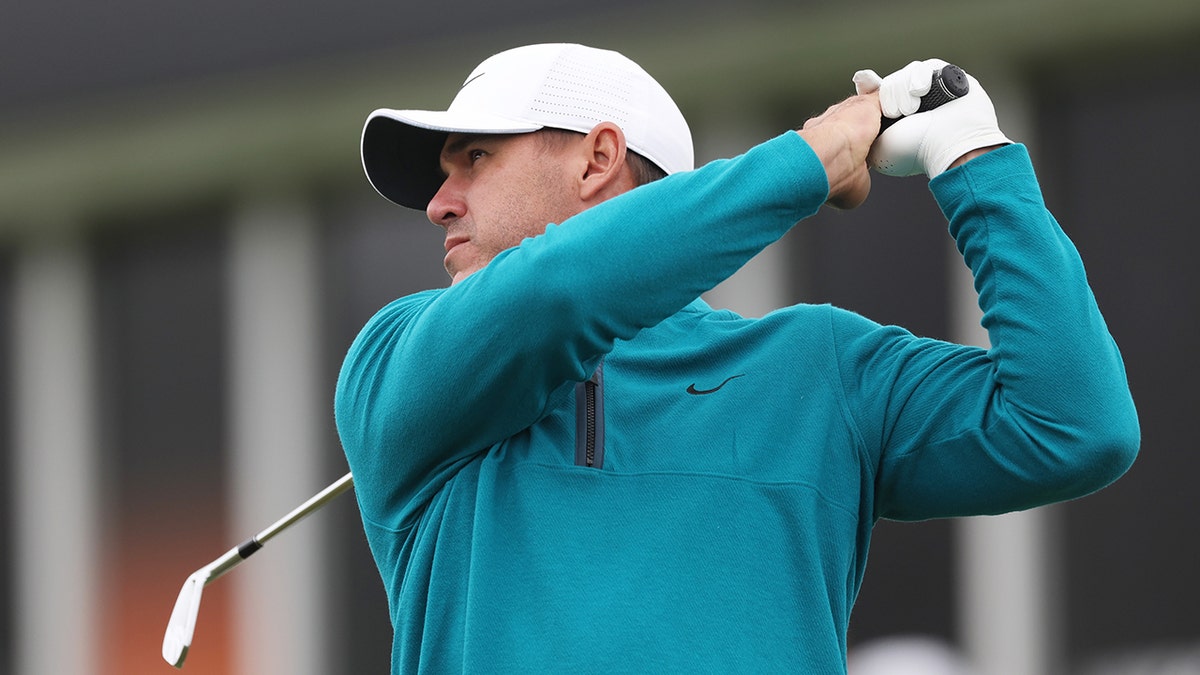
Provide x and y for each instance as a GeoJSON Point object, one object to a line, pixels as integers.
{"type": "Point", "coordinates": [453, 242]}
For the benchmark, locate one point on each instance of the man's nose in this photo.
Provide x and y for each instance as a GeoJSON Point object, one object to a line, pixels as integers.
{"type": "Point", "coordinates": [447, 204]}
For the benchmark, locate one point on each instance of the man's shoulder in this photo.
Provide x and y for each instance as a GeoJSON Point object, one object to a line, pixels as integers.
{"type": "Point", "coordinates": [420, 297]}
{"type": "Point", "coordinates": [415, 300]}
{"type": "Point", "coordinates": [405, 309]}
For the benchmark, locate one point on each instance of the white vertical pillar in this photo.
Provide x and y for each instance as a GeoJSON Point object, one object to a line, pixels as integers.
{"type": "Point", "coordinates": [54, 482]}
{"type": "Point", "coordinates": [1008, 605]}
{"type": "Point", "coordinates": [1008, 608]}
{"type": "Point", "coordinates": [756, 289]}
{"type": "Point", "coordinates": [276, 444]}
{"type": "Point", "coordinates": [761, 285]}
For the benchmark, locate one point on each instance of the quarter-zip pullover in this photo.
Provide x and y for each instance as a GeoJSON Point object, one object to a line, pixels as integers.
{"type": "Point", "coordinates": [725, 521]}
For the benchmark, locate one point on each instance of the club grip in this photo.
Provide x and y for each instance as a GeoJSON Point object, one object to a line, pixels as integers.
{"type": "Point", "coordinates": [946, 85]}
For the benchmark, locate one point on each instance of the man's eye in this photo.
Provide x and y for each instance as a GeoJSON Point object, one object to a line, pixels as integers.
{"type": "Point", "coordinates": [475, 155]}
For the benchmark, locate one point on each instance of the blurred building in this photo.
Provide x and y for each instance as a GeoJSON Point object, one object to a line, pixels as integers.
{"type": "Point", "coordinates": [188, 245]}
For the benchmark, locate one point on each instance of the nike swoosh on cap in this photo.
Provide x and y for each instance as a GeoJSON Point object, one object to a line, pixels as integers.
{"type": "Point", "coordinates": [464, 84]}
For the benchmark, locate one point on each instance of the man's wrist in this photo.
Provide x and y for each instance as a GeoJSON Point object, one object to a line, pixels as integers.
{"type": "Point", "coordinates": [973, 154]}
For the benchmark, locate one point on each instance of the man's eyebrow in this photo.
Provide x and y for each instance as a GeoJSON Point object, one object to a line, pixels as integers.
{"type": "Point", "coordinates": [459, 144]}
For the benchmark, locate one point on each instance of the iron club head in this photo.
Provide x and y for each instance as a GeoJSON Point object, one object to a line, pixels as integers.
{"type": "Point", "coordinates": [182, 625]}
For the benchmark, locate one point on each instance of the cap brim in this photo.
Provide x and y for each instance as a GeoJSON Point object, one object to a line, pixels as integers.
{"type": "Point", "coordinates": [401, 149]}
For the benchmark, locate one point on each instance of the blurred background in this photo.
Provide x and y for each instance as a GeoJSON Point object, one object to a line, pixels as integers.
{"type": "Point", "coordinates": [188, 246]}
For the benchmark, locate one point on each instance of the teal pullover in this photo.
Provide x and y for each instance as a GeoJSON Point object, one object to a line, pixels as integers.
{"type": "Point", "coordinates": [708, 507]}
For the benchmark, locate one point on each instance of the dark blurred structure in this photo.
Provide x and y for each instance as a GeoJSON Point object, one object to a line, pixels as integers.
{"type": "Point", "coordinates": [188, 245]}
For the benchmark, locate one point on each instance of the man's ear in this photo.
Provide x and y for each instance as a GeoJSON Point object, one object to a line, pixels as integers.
{"type": "Point", "coordinates": [605, 174]}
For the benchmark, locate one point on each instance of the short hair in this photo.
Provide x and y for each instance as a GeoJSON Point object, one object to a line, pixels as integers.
{"type": "Point", "coordinates": [643, 170]}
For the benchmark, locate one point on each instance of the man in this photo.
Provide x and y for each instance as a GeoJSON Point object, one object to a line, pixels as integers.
{"type": "Point", "coordinates": [567, 461]}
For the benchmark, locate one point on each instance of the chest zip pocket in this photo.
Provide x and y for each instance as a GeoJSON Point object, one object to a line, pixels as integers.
{"type": "Point", "coordinates": [589, 420]}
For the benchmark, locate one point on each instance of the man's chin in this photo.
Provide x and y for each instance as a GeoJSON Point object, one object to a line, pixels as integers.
{"type": "Point", "coordinates": [456, 277]}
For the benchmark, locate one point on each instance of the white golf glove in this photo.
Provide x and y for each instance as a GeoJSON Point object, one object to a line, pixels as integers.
{"type": "Point", "coordinates": [930, 141]}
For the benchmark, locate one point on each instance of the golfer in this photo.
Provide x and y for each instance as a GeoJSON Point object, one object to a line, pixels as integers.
{"type": "Point", "coordinates": [566, 461]}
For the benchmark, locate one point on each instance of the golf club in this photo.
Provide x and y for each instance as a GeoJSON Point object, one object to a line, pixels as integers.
{"type": "Point", "coordinates": [182, 625]}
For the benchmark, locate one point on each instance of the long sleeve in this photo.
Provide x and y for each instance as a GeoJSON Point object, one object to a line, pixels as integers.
{"type": "Point", "coordinates": [438, 377]}
{"type": "Point", "coordinates": [1044, 415]}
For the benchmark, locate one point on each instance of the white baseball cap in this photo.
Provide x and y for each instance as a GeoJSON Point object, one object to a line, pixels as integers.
{"type": "Point", "coordinates": [561, 86]}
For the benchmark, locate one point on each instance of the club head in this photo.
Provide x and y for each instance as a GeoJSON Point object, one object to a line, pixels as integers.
{"type": "Point", "coordinates": [182, 625]}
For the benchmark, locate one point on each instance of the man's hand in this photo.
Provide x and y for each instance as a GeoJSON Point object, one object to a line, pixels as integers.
{"type": "Point", "coordinates": [933, 141]}
{"type": "Point", "coordinates": [842, 138]}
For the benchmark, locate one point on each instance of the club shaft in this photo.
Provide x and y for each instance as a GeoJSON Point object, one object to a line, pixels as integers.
{"type": "Point", "coordinates": [234, 556]}
{"type": "Point", "coordinates": [226, 562]}
{"type": "Point", "coordinates": [300, 512]}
